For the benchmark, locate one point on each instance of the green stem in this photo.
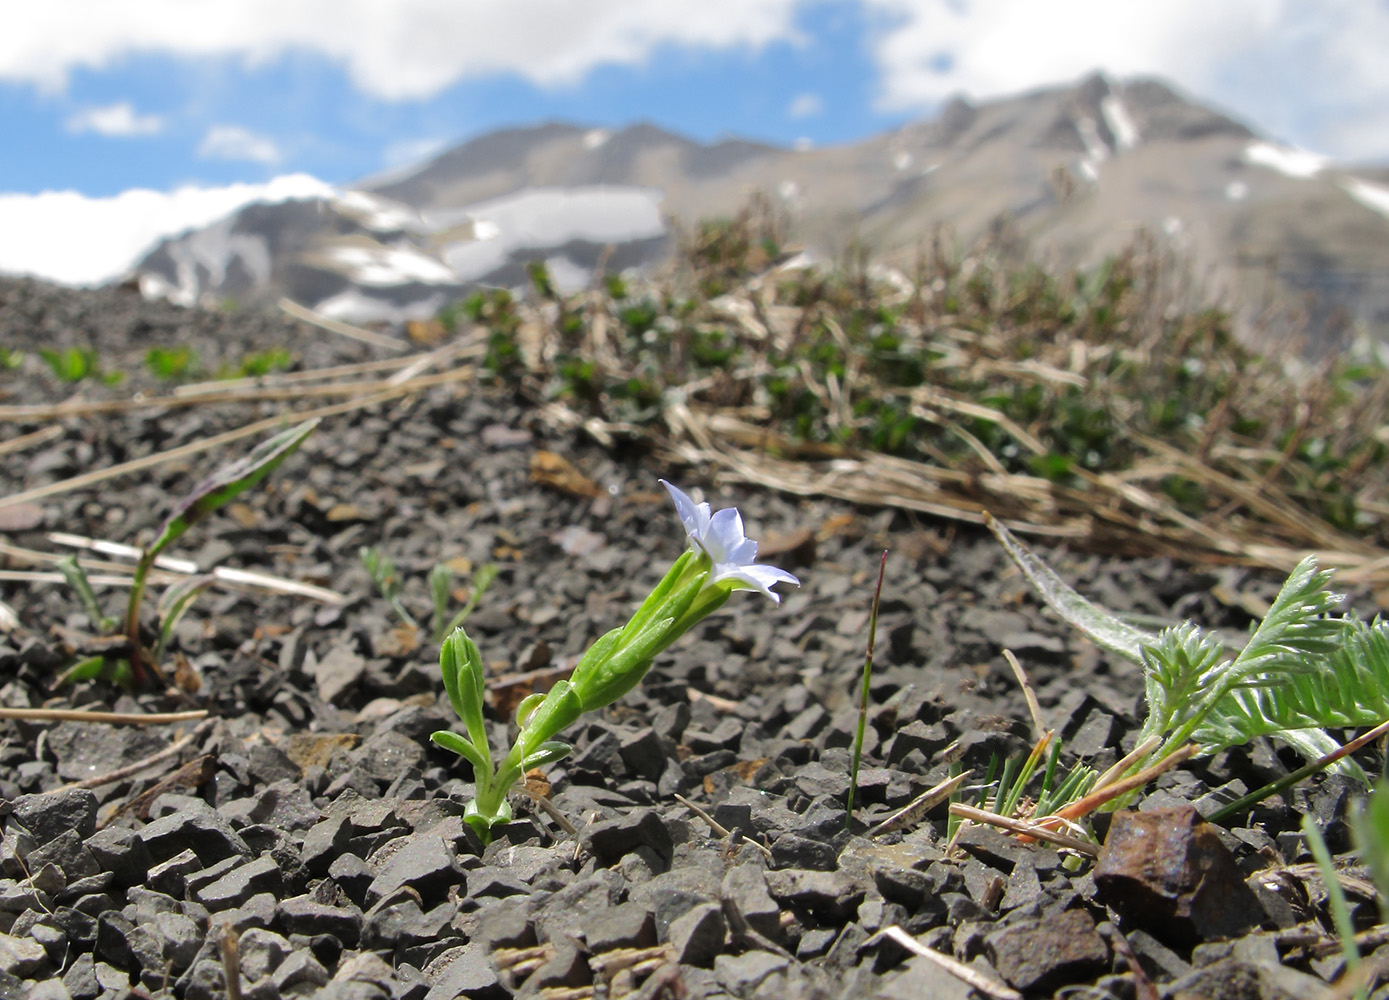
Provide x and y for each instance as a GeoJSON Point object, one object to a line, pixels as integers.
{"type": "Point", "coordinates": [1293, 777]}
{"type": "Point", "coordinates": [138, 660]}
{"type": "Point", "coordinates": [863, 692]}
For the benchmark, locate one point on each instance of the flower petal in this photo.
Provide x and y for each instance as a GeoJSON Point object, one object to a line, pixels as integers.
{"type": "Point", "coordinates": [755, 577]}
{"type": "Point", "coordinates": [695, 517]}
{"type": "Point", "coordinates": [726, 542]}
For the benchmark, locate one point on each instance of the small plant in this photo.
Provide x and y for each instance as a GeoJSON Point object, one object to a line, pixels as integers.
{"type": "Point", "coordinates": [1304, 668]}
{"type": "Point", "coordinates": [440, 589]}
{"type": "Point", "coordinates": [73, 364]}
{"type": "Point", "coordinates": [863, 694]}
{"type": "Point", "coordinates": [258, 363]}
{"type": "Point", "coordinates": [382, 570]}
{"type": "Point", "coordinates": [719, 560]}
{"type": "Point", "coordinates": [171, 362]}
{"type": "Point", "coordinates": [10, 359]}
{"type": "Point", "coordinates": [214, 492]}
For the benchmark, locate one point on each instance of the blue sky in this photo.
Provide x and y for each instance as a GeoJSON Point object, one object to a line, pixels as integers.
{"type": "Point", "coordinates": [133, 119]}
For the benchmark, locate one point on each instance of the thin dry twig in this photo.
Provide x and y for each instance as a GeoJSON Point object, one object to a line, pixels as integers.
{"type": "Point", "coordinates": [307, 315]}
{"type": "Point", "coordinates": [1022, 826]}
{"type": "Point", "coordinates": [113, 718]}
{"type": "Point", "coordinates": [720, 831]}
{"type": "Point", "coordinates": [30, 440]}
{"type": "Point", "coordinates": [972, 977]}
{"type": "Point", "coordinates": [219, 440]}
{"type": "Point", "coordinates": [919, 806]}
{"type": "Point", "coordinates": [1089, 803]}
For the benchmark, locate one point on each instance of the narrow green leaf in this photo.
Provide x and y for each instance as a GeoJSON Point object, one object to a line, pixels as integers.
{"type": "Point", "coordinates": [231, 481]}
{"type": "Point", "coordinates": [452, 741]}
{"type": "Point", "coordinates": [1369, 822]}
{"type": "Point", "coordinates": [83, 670]}
{"type": "Point", "coordinates": [440, 583]}
{"type": "Point", "coordinates": [483, 579]}
{"type": "Point", "coordinates": [76, 578]}
{"type": "Point", "coordinates": [546, 754]}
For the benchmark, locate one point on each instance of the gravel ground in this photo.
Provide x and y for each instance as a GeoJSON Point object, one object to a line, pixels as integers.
{"type": "Point", "coordinates": [311, 826]}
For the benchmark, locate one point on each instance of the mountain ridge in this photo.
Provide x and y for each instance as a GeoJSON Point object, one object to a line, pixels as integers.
{"type": "Point", "coordinates": [1077, 169]}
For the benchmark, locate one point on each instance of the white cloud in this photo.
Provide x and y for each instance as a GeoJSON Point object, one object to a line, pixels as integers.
{"type": "Point", "coordinates": [805, 106]}
{"type": "Point", "coordinates": [1297, 70]}
{"type": "Point", "coordinates": [232, 142]}
{"type": "Point", "coordinates": [65, 236]}
{"type": "Point", "coordinates": [394, 49]}
{"type": "Point", "coordinates": [115, 120]}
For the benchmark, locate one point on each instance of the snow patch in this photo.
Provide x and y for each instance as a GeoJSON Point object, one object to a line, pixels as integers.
{"type": "Point", "coordinates": [382, 266]}
{"type": "Point", "coordinates": [1291, 162]}
{"type": "Point", "coordinates": [353, 306]}
{"type": "Point", "coordinates": [377, 213]}
{"type": "Point", "coordinates": [1095, 149]}
{"type": "Point", "coordinates": [594, 138]}
{"type": "Point", "coordinates": [788, 190]}
{"type": "Point", "coordinates": [541, 218]}
{"type": "Point", "coordinates": [901, 160]}
{"type": "Point", "coordinates": [1088, 171]}
{"type": "Point", "coordinates": [1236, 191]}
{"type": "Point", "coordinates": [116, 232]}
{"type": "Point", "coordinates": [1372, 196]}
{"type": "Point", "coordinates": [1120, 122]}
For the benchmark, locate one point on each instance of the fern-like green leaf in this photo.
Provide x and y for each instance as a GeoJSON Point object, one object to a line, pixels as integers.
{"type": "Point", "coordinates": [1298, 624]}
{"type": "Point", "coordinates": [1176, 669]}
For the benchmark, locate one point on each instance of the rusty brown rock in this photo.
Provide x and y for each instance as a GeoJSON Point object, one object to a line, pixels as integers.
{"type": "Point", "coordinates": [1167, 872]}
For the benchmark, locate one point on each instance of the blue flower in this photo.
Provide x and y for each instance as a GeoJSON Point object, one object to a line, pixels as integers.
{"type": "Point", "coordinates": [720, 536]}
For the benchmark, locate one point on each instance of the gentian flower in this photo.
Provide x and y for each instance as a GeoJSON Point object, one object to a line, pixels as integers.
{"type": "Point", "coordinates": [721, 537]}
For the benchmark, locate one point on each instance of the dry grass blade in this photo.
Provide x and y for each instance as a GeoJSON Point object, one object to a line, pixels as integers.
{"type": "Point", "coordinates": [1089, 803]}
{"type": "Point", "coordinates": [30, 440]}
{"type": "Point", "coordinates": [376, 388]}
{"type": "Point", "coordinates": [919, 806]}
{"type": "Point", "coordinates": [112, 718]}
{"type": "Point", "coordinates": [118, 574]}
{"type": "Point", "coordinates": [720, 831]}
{"type": "Point", "coordinates": [1039, 728]}
{"type": "Point", "coordinates": [1032, 830]}
{"type": "Point", "coordinates": [143, 765]}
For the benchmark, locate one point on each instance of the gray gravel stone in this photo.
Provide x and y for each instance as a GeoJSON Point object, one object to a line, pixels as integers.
{"type": "Point", "coordinates": [425, 863]}
{"type": "Point", "coordinates": [464, 971]}
{"type": "Point", "coordinates": [240, 884]}
{"type": "Point", "coordinates": [627, 925]}
{"type": "Point", "coordinates": [207, 834]}
{"type": "Point", "coordinates": [22, 957]}
{"type": "Point", "coordinates": [301, 915]}
{"type": "Point", "coordinates": [698, 934]}
{"type": "Point", "coordinates": [120, 851]}
{"type": "Point", "coordinates": [742, 974]}
{"type": "Point", "coordinates": [49, 814]}
{"type": "Point", "coordinates": [609, 840]}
